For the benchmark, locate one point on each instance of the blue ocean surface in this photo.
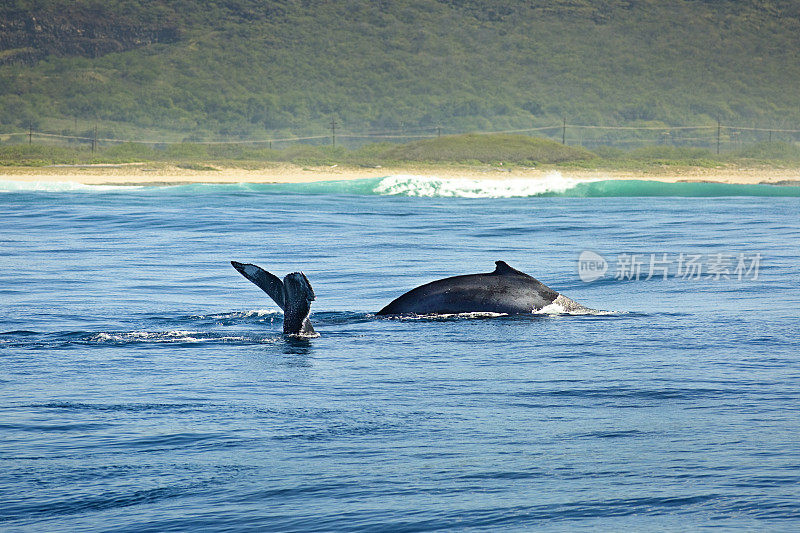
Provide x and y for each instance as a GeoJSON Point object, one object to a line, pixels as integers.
{"type": "Point", "coordinates": [146, 386]}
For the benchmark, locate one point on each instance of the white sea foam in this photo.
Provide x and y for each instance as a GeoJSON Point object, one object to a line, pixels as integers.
{"type": "Point", "coordinates": [58, 186]}
{"type": "Point", "coordinates": [150, 336]}
{"type": "Point", "coordinates": [440, 316]}
{"type": "Point", "coordinates": [555, 309]}
{"type": "Point", "coordinates": [432, 186]}
{"type": "Point", "coordinates": [240, 314]}
{"type": "Point", "coordinates": [176, 336]}
{"type": "Point", "coordinates": [564, 306]}
{"type": "Point", "coordinates": [262, 312]}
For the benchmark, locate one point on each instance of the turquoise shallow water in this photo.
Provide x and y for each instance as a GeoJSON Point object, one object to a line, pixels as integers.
{"type": "Point", "coordinates": [145, 385]}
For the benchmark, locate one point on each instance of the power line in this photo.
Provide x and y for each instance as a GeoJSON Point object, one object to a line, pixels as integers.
{"type": "Point", "coordinates": [252, 141]}
{"type": "Point", "coordinates": [643, 128]}
{"type": "Point", "coordinates": [399, 134]}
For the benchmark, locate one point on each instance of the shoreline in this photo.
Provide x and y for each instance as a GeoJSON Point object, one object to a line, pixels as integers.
{"type": "Point", "coordinates": [162, 174]}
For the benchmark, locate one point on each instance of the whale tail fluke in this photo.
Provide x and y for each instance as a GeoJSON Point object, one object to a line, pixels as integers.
{"type": "Point", "coordinates": [293, 295]}
{"type": "Point", "coordinates": [269, 283]}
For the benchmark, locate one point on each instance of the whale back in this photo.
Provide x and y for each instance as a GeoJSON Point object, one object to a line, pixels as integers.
{"type": "Point", "coordinates": [505, 290]}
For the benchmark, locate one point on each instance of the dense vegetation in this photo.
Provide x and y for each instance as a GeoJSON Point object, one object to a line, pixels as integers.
{"type": "Point", "coordinates": [193, 70]}
{"type": "Point", "coordinates": [495, 151]}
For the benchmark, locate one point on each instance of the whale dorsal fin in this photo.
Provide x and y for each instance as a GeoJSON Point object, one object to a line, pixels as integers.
{"type": "Point", "coordinates": [503, 268]}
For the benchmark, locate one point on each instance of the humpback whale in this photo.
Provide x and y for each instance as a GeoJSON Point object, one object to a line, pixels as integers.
{"type": "Point", "coordinates": [506, 290]}
{"type": "Point", "coordinates": [294, 295]}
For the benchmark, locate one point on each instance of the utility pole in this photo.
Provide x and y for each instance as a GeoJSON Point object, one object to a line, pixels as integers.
{"type": "Point", "coordinates": [333, 132]}
{"type": "Point", "coordinates": [564, 131]}
{"type": "Point", "coordinates": [719, 129]}
{"type": "Point", "coordinates": [30, 122]}
{"type": "Point", "coordinates": [438, 131]}
{"type": "Point", "coordinates": [94, 139]}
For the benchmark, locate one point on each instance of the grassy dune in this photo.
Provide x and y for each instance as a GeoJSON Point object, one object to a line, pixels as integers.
{"type": "Point", "coordinates": [500, 148]}
{"type": "Point", "coordinates": [471, 150]}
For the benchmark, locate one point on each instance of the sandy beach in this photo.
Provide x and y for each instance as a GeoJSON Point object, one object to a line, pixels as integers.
{"type": "Point", "coordinates": [163, 174]}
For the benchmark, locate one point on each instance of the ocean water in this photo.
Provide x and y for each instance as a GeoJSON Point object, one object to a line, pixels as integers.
{"type": "Point", "coordinates": [146, 386]}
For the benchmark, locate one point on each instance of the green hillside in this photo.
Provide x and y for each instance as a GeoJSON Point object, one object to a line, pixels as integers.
{"type": "Point", "coordinates": [191, 70]}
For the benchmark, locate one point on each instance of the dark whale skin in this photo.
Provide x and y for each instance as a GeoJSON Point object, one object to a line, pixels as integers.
{"type": "Point", "coordinates": [506, 290]}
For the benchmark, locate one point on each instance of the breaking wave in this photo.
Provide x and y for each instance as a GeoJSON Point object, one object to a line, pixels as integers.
{"type": "Point", "coordinates": [552, 184]}
{"type": "Point", "coordinates": [429, 186]}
